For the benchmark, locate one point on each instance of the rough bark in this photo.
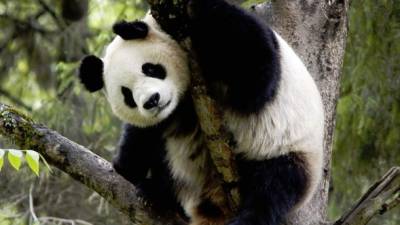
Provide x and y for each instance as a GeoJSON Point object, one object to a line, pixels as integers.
{"type": "Point", "coordinates": [317, 31]}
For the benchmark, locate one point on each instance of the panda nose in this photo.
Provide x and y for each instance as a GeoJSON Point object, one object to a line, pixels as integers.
{"type": "Point", "coordinates": [152, 101]}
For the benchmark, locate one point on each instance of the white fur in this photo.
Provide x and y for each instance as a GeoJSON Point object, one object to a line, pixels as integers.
{"type": "Point", "coordinates": [293, 122]}
{"type": "Point", "coordinates": [189, 174]}
{"type": "Point", "coordinates": [123, 67]}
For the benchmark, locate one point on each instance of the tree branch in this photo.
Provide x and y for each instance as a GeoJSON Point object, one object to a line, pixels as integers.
{"type": "Point", "coordinates": [60, 23]}
{"type": "Point", "coordinates": [83, 165]}
{"type": "Point", "coordinates": [27, 24]}
{"type": "Point", "coordinates": [380, 198]}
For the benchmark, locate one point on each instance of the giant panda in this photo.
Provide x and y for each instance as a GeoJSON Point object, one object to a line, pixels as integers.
{"type": "Point", "coordinates": [269, 102]}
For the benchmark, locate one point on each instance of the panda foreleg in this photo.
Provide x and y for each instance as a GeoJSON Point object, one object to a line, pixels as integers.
{"type": "Point", "coordinates": [270, 189]}
{"type": "Point", "coordinates": [135, 153]}
{"type": "Point", "coordinates": [238, 54]}
{"type": "Point", "coordinates": [140, 160]}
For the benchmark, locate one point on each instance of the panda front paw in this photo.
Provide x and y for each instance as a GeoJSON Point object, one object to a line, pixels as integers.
{"type": "Point", "coordinates": [119, 167]}
{"type": "Point", "coordinates": [116, 165]}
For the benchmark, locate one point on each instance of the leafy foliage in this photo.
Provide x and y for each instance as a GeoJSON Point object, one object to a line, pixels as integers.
{"type": "Point", "coordinates": [15, 158]}
{"type": "Point", "coordinates": [32, 158]}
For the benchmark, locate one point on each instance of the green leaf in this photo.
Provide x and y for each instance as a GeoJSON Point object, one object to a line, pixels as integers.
{"type": "Point", "coordinates": [14, 157]}
{"type": "Point", "coordinates": [32, 158]}
{"type": "Point", "coordinates": [2, 152]}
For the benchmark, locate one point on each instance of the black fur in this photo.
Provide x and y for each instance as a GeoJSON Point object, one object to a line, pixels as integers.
{"type": "Point", "coordinates": [208, 209]}
{"type": "Point", "coordinates": [131, 30]}
{"type": "Point", "coordinates": [91, 73]}
{"type": "Point", "coordinates": [270, 189]}
{"type": "Point", "coordinates": [184, 118]}
{"type": "Point", "coordinates": [154, 70]}
{"type": "Point", "coordinates": [152, 101]}
{"type": "Point", "coordinates": [237, 52]}
{"type": "Point", "coordinates": [128, 97]}
{"type": "Point", "coordinates": [142, 151]}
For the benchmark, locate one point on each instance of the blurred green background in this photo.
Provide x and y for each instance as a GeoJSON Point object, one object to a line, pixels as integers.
{"type": "Point", "coordinates": [41, 42]}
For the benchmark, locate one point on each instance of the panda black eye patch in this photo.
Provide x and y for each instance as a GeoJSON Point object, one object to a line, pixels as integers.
{"type": "Point", "coordinates": [154, 70]}
{"type": "Point", "coordinates": [128, 97]}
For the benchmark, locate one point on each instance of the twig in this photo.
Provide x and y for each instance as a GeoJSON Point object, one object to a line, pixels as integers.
{"type": "Point", "coordinates": [31, 209]}
{"type": "Point", "coordinates": [23, 25]}
{"type": "Point", "coordinates": [52, 13]}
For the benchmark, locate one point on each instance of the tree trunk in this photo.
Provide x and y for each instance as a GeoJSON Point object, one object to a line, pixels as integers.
{"type": "Point", "coordinates": [317, 31]}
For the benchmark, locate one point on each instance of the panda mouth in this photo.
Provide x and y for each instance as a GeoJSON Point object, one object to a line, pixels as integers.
{"type": "Point", "coordinates": [161, 108]}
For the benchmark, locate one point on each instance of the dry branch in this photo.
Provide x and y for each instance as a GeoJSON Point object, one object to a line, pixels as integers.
{"type": "Point", "coordinates": [380, 198]}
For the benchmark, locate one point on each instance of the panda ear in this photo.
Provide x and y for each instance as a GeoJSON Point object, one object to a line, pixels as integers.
{"type": "Point", "coordinates": [131, 30]}
{"type": "Point", "coordinates": [91, 73]}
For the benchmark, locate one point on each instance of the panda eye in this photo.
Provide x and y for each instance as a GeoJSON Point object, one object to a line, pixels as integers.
{"type": "Point", "coordinates": [128, 97]}
{"type": "Point", "coordinates": [154, 70]}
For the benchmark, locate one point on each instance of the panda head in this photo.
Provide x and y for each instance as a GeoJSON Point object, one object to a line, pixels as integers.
{"type": "Point", "coordinates": [144, 73]}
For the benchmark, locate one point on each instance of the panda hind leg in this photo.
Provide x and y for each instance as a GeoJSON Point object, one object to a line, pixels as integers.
{"type": "Point", "coordinates": [270, 189]}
